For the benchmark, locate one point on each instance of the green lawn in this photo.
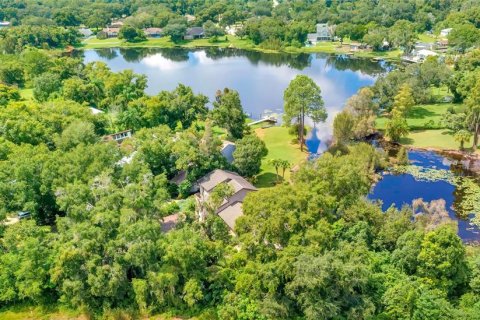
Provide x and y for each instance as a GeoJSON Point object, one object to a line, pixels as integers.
{"type": "Point", "coordinates": [438, 139]}
{"type": "Point", "coordinates": [26, 94]}
{"type": "Point", "coordinates": [22, 312]}
{"type": "Point", "coordinates": [427, 116]}
{"type": "Point", "coordinates": [280, 146]}
{"type": "Point", "coordinates": [427, 38]}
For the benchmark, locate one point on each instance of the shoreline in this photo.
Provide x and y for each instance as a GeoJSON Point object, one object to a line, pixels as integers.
{"type": "Point", "coordinates": [240, 44]}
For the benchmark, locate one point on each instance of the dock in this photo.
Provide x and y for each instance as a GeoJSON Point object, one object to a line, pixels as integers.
{"type": "Point", "coordinates": [269, 120]}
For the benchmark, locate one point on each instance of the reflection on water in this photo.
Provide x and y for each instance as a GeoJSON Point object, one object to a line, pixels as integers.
{"type": "Point", "coordinates": [402, 189]}
{"type": "Point", "coordinates": [260, 78]}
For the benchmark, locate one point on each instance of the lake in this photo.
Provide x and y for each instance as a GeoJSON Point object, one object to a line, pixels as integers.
{"type": "Point", "coordinates": [260, 78]}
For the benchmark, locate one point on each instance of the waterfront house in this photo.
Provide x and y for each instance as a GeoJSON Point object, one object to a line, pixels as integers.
{"type": "Point", "coordinates": [85, 32]}
{"type": "Point", "coordinates": [153, 32]}
{"type": "Point", "coordinates": [194, 33]}
{"type": "Point", "coordinates": [111, 32]}
{"type": "Point", "coordinates": [323, 33]}
{"type": "Point", "coordinates": [231, 208]}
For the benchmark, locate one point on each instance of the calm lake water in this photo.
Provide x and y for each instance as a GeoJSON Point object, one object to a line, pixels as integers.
{"type": "Point", "coordinates": [259, 78]}
{"type": "Point", "coordinates": [402, 189]}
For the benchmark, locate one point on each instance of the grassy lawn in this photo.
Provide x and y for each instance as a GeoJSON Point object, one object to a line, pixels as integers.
{"type": "Point", "coordinates": [427, 38]}
{"type": "Point", "coordinates": [235, 42]}
{"type": "Point", "coordinates": [439, 139]}
{"type": "Point", "coordinates": [427, 116]}
{"type": "Point", "coordinates": [22, 312]}
{"type": "Point", "coordinates": [26, 94]}
{"type": "Point", "coordinates": [280, 146]}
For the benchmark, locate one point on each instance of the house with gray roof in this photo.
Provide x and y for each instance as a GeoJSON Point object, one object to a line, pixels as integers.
{"type": "Point", "coordinates": [231, 208]}
{"type": "Point", "coordinates": [194, 33]}
{"type": "Point", "coordinates": [323, 33]}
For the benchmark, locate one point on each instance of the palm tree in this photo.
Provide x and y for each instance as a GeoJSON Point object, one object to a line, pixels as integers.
{"type": "Point", "coordinates": [284, 164]}
{"type": "Point", "coordinates": [276, 163]}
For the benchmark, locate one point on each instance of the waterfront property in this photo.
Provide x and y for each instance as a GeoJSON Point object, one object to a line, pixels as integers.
{"type": "Point", "coordinates": [323, 33]}
{"type": "Point", "coordinates": [194, 33]}
{"type": "Point", "coordinates": [111, 32]}
{"type": "Point", "coordinates": [231, 208]}
{"type": "Point", "coordinates": [153, 32]}
{"type": "Point", "coordinates": [85, 32]}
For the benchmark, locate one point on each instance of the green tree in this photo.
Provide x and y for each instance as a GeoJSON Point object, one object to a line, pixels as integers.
{"type": "Point", "coordinates": [473, 114]}
{"type": "Point", "coordinates": [343, 126]}
{"type": "Point", "coordinates": [403, 101]}
{"type": "Point", "coordinates": [303, 98]}
{"type": "Point", "coordinates": [402, 156]}
{"type": "Point", "coordinates": [464, 36]}
{"type": "Point", "coordinates": [403, 34]}
{"type": "Point", "coordinates": [176, 29]}
{"type": "Point", "coordinates": [131, 34]}
{"type": "Point", "coordinates": [8, 93]}
{"type": "Point", "coordinates": [45, 85]}
{"type": "Point", "coordinates": [442, 259]}
{"type": "Point", "coordinates": [396, 128]}
{"type": "Point", "coordinates": [461, 137]}
{"type": "Point", "coordinates": [228, 113]}
{"type": "Point", "coordinates": [248, 155]}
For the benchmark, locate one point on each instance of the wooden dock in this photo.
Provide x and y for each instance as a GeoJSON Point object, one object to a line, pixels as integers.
{"type": "Point", "coordinates": [270, 120]}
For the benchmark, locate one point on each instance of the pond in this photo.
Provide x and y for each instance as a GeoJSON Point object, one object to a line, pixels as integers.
{"type": "Point", "coordinates": [260, 78]}
{"type": "Point", "coordinates": [403, 188]}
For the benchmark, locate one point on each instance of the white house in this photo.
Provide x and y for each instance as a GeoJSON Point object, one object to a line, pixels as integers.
{"type": "Point", "coordinates": [445, 32]}
{"type": "Point", "coordinates": [323, 34]}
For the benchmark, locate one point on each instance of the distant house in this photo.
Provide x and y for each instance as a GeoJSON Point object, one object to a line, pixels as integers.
{"type": "Point", "coordinates": [323, 34]}
{"type": "Point", "coordinates": [85, 32]}
{"type": "Point", "coordinates": [119, 136]}
{"type": "Point", "coordinates": [233, 29]}
{"type": "Point", "coordinates": [418, 56]}
{"type": "Point", "coordinates": [95, 111]}
{"type": "Point", "coordinates": [153, 32]}
{"type": "Point", "coordinates": [231, 208]}
{"type": "Point", "coordinates": [111, 32]}
{"type": "Point", "coordinates": [4, 24]}
{"type": "Point", "coordinates": [190, 18]}
{"type": "Point", "coordinates": [445, 32]}
{"type": "Point", "coordinates": [228, 148]}
{"type": "Point", "coordinates": [424, 54]}
{"type": "Point", "coordinates": [194, 33]}
{"type": "Point", "coordinates": [116, 24]}
{"type": "Point", "coordinates": [424, 46]}
{"type": "Point", "coordinates": [169, 222]}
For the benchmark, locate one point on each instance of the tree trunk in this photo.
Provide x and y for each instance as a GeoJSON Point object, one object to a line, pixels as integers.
{"type": "Point", "coordinates": [302, 120]}
{"type": "Point", "coordinates": [462, 145]}
{"type": "Point", "coordinates": [475, 137]}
